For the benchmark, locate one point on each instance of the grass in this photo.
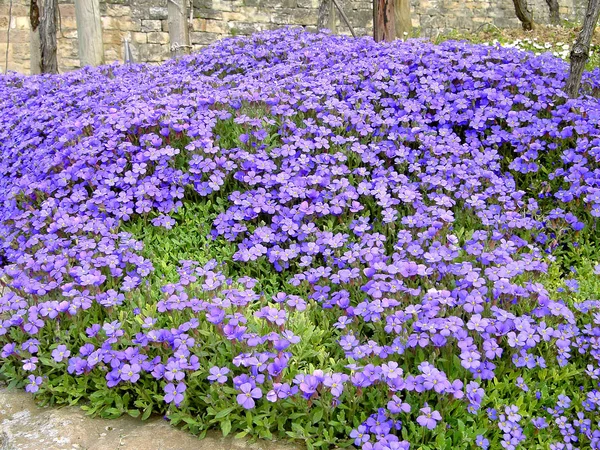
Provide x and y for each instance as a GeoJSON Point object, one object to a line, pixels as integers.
{"type": "Point", "coordinates": [544, 38]}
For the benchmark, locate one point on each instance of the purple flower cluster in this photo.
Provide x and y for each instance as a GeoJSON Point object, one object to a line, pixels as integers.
{"type": "Point", "coordinates": [377, 184]}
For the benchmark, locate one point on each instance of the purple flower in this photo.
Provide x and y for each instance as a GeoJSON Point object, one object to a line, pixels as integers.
{"type": "Point", "coordinates": [521, 384]}
{"type": "Point", "coordinates": [360, 435]}
{"type": "Point", "coordinates": [428, 418]}
{"type": "Point", "coordinates": [482, 442]}
{"type": "Point", "coordinates": [218, 374]}
{"type": "Point", "coordinates": [60, 353]}
{"type": "Point", "coordinates": [130, 372]}
{"type": "Point", "coordinates": [539, 422]}
{"type": "Point", "coordinates": [391, 370]}
{"type": "Point", "coordinates": [246, 398]}
{"type": "Point", "coordinates": [174, 393]}
{"type": "Point", "coordinates": [33, 384]}
{"type": "Point", "coordinates": [396, 405]}
{"type": "Point", "coordinates": [335, 383]}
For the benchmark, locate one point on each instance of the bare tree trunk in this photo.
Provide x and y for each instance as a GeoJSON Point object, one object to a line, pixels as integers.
{"type": "Point", "coordinates": [178, 27]}
{"type": "Point", "coordinates": [581, 49]}
{"type": "Point", "coordinates": [383, 20]}
{"type": "Point", "coordinates": [326, 16]}
{"type": "Point", "coordinates": [331, 20]}
{"type": "Point", "coordinates": [47, 29]}
{"type": "Point", "coordinates": [403, 23]}
{"type": "Point", "coordinates": [89, 32]}
{"type": "Point", "coordinates": [524, 14]}
{"type": "Point", "coordinates": [323, 14]}
{"type": "Point", "coordinates": [35, 48]}
{"type": "Point", "coordinates": [554, 11]}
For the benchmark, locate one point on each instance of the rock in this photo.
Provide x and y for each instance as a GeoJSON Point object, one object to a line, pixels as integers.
{"type": "Point", "coordinates": [26, 426]}
{"type": "Point", "coordinates": [4, 442]}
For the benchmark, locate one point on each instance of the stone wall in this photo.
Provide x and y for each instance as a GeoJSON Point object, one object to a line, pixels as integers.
{"type": "Point", "coordinates": [144, 23]}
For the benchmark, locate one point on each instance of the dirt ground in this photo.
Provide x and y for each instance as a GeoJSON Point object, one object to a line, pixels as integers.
{"type": "Point", "coordinates": [26, 426]}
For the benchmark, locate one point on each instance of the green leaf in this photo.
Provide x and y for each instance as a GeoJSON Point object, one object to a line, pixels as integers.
{"type": "Point", "coordinates": [226, 427]}
{"type": "Point", "coordinates": [318, 415]}
{"type": "Point", "coordinates": [147, 412]}
{"type": "Point", "coordinates": [224, 412]}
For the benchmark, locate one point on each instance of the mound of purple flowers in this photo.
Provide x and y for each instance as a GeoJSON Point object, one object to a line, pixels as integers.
{"type": "Point", "coordinates": [410, 194]}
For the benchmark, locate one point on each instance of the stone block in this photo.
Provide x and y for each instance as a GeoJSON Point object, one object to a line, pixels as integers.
{"type": "Point", "coordinates": [281, 18]}
{"type": "Point", "coordinates": [20, 51]}
{"type": "Point", "coordinates": [139, 38]}
{"type": "Point", "coordinates": [128, 24]}
{"type": "Point", "coordinates": [112, 37]}
{"type": "Point", "coordinates": [358, 18]}
{"type": "Point", "coordinates": [15, 36]}
{"type": "Point", "coordinates": [151, 25]}
{"type": "Point", "coordinates": [153, 52]}
{"type": "Point", "coordinates": [158, 12]}
{"type": "Point", "coordinates": [70, 34]}
{"type": "Point", "coordinates": [148, 3]}
{"type": "Point", "coordinates": [245, 28]}
{"type": "Point", "coordinates": [307, 3]}
{"type": "Point", "coordinates": [363, 6]}
{"type": "Point", "coordinates": [208, 14]}
{"type": "Point", "coordinates": [215, 26]}
{"type": "Point", "coordinates": [112, 54]}
{"type": "Point", "coordinates": [70, 63]}
{"type": "Point", "coordinates": [203, 38]}
{"type": "Point", "coordinates": [68, 22]}
{"type": "Point", "coordinates": [158, 37]}
{"type": "Point", "coordinates": [66, 11]}
{"type": "Point", "coordinates": [257, 15]}
{"type": "Point", "coordinates": [304, 17]}
{"type": "Point", "coordinates": [203, 4]}
{"type": "Point", "coordinates": [111, 23]}
{"type": "Point", "coordinates": [199, 25]}
{"type": "Point", "coordinates": [17, 10]}
{"type": "Point", "coordinates": [117, 10]}
{"type": "Point", "coordinates": [20, 23]}
{"type": "Point", "coordinates": [233, 16]}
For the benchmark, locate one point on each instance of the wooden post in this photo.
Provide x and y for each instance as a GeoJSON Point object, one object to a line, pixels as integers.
{"type": "Point", "coordinates": [331, 19]}
{"type": "Point", "coordinates": [383, 20]}
{"type": "Point", "coordinates": [47, 32]}
{"type": "Point", "coordinates": [89, 32]}
{"type": "Point", "coordinates": [581, 49]}
{"type": "Point", "coordinates": [35, 47]}
{"type": "Point", "coordinates": [524, 14]}
{"type": "Point", "coordinates": [554, 8]}
{"type": "Point", "coordinates": [178, 27]}
{"type": "Point", "coordinates": [403, 23]}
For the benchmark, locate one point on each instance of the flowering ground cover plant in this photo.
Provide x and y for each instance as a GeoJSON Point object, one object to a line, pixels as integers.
{"type": "Point", "coordinates": [388, 246]}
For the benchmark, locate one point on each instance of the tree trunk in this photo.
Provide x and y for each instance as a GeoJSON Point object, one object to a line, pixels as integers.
{"type": "Point", "coordinates": [524, 14]}
{"type": "Point", "coordinates": [178, 27]}
{"type": "Point", "coordinates": [89, 32]}
{"type": "Point", "coordinates": [323, 14]}
{"type": "Point", "coordinates": [35, 48]}
{"type": "Point", "coordinates": [47, 29]}
{"type": "Point", "coordinates": [331, 19]}
{"type": "Point", "coordinates": [581, 49]}
{"type": "Point", "coordinates": [554, 11]}
{"type": "Point", "coordinates": [383, 20]}
{"type": "Point", "coordinates": [403, 24]}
